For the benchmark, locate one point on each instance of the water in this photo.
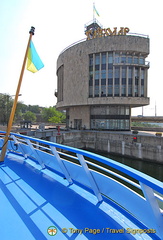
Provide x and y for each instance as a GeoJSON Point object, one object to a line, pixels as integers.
{"type": "Point", "coordinates": [154, 170]}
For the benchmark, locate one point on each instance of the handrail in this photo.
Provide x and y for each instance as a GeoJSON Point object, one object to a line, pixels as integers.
{"type": "Point", "coordinates": [103, 186]}
{"type": "Point", "coordinates": [139, 176]}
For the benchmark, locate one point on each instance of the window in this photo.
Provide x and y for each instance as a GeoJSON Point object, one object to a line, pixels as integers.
{"type": "Point", "coordinates": [123, 93]}
{"type": "Point", "coordinates": [90, 91]}
{"type": "Point", "coordinates": [103, 91]}
{"type": "Point", "coordinates": [142, 82]}
{"type": "Point", "coordinates": [110, 66]}
{"type": "Point", "coordinates": [91, 82]}
{"type": "Point", "coordinates": [117, 58]}
{"type": "Point", "coordinates": [91, 60]}
{"type": "Point", "coordinates": [97, 67]}
{"type": "Point", "coordinates": [103, 81]}
{"type": "Point", "coordinates": [127, 111]}
{"type": "Point", "coordinates": [136, 60]}
{"type": "Point", "coordinates": [116, 88]}
{"type": "Point", "coordinates": [110, 73]}
{"type": "Point", "coordinates": [60, 79]}
{"type": "Point", "coordinates": [142, 61]}
{"type": "Point", "coordinates": [97, 75]}
{"type": "Point", "coordinates": [130, 60]}
{"type": "Point", "coordinates": [117, 72]}
{"type": "Point", "coordinates": [96, 82]}
{"type": "Point", "coordinates": [103, 67]}
{"type": "Point", "coordinates": [123, 72]}
{"type": "Point", "coordinates": [97, 59]}
{"type": "Point", "coordinates": [136, 81]}
{"type": "Point", "coordinates": [123, 58]}
{"type": "Point", "coordinates": [130, 87]}
{"type": "Point", "coordinates": [130, 72]}
{"type": "Point", "coordinates": [110, 87]}
{"type": "Point", "coordinates": [103, 58]}
{"type": "Point", "coordinates": [110, 117]}
{"type": "Point", "coordinates": [97, 91]}
{"type": "Point", "coordinates": [110, 57]}
{"type": "Point", "coordinates": [96, 87]}
{"type": "Point", "coordinates": [103, 74]}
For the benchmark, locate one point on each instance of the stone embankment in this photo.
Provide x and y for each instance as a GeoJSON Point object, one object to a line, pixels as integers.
{"type": "Point", "coordinates": [142, 146]}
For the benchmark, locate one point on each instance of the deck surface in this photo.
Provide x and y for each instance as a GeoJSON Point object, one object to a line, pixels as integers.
{"type": "Point", "coordinates": [32, 200]}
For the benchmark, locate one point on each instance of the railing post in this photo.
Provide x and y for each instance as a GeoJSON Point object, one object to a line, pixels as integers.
{"type": "Point", "coordinates": [16, 142]}
{"type": "Point", "coordinates": [36, 155]}
{"type": "Point", "coordinates": [153, 204]}
{"type": "Point", "coordinates": [90, 177]}
{"type": "Point", "coordinates": [61, 164]}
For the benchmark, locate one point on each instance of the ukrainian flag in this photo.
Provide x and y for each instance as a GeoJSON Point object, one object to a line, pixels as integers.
{"type": "Point", "coordinates": [34, 62]}
{"type": "Point", "coordinates": [95, 10]}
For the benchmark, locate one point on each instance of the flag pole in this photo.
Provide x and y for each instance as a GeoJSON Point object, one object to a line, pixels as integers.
{"type": "Point", "coordinates": [93, 12]}
{"type": "Point", "coordinates": [12, 114]}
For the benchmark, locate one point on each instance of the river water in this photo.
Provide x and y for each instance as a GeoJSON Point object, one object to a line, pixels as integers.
{"type": "Point", "coordinates": [154, 170]}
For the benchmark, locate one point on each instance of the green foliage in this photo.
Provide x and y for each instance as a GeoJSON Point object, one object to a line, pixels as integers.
{"type": "Point", "coordinates": [52, 115]}
{"type": "Point", "coordinates": [29, 116]}
{"type": "Point", "coordinates": [34, 108]}
{"type": "Point", "coordinates": [28, 112]}
{"type": "Point", "coordinates": [5, 107]}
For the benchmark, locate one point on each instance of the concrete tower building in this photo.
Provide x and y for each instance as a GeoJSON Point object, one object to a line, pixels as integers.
{"type": "Point", "coordinates": [101, 78]}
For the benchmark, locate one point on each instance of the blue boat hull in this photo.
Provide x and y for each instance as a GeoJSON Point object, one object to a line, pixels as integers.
{"type": "Point", "coordinates": [44, 196]}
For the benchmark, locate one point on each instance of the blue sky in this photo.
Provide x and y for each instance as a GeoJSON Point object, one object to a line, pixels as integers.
{"type": "Point", "coordinates": [61, 23]}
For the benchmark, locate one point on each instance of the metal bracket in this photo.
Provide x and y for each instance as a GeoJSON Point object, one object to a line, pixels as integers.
{"type": "Point", "coordinates": [36, 155]}
{"type": "Point", "coordinates": [90, 177]}
{"type": "Point", "coordinates": [61, 164]}
{"type": "Point", "coordinates": [19, 146]}
{"type": "Point", "coordinates": [153, 204]}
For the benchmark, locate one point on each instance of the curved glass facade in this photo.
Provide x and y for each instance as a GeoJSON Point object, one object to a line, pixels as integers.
{"type": "Point", "coordinates": [113, 74]}
{"type": "Point", "coordinates": [110, 117]}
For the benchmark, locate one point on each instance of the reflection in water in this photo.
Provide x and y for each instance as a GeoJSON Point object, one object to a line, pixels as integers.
{"type": "Point", "coordinates": [154, 170]}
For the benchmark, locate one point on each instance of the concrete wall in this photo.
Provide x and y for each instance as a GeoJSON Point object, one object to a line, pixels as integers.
{"type": "Point", "coordinates": [146, 147]}
{"type": "Point", "coordinates": [80, 113]}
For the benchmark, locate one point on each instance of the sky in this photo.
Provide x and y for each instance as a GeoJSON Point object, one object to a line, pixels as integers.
{"type": "Point", "coordinates": [58, 24]}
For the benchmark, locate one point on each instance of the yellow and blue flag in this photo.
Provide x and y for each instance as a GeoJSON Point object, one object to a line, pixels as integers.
{"type": "Point", "coordinates": [34, 62]}
{"type": "Point", "coordinates": [95, 10]}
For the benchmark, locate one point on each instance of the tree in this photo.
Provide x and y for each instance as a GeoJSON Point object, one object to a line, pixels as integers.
{"type": "Point", "coordinates": [5, 107]}
{"type": "Point", "coordinates": [34, 108]}
{"type": "Point", "coordinates": [29, 116]}
{"type": "Point", "coordinates": [52, 115]}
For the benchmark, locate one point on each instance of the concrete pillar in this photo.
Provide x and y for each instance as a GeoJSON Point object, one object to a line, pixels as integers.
{"type": "Point", "coordinates": [107, 74]}
{"type": "Point", "coordinates": [93, 75]}
{"type": "Point", "coordinates": [100, 77]}
{"type": "Point", "coordinates": [139, 86]}
{"type": "Point", "coordinates": [133, 82]}
{"type": "Point", "coordinates": [123, 147]}
{"type": "Point", "coordinates": [139, 150]}
{"type": "Point", "coordinates": [108, 146]}
{"type": "Point", "coordinates": [113, 74]}
{"type": "Point", "coordinates": [159, 152]}
{"type": "Point", "coordinates": [145, 82]}
{"type": "Point", "coordinates": [127, 82]}
{"type": "Point", "coordinates": [120, 81]}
